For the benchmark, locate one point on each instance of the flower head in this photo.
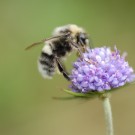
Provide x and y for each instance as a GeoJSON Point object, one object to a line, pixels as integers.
{"type": "Point", "coordinates": [105, 70]}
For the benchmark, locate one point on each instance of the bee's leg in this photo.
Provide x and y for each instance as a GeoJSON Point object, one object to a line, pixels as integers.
{"type": "Point", "coordinates": [80, 52]}
{"type": "Point", "coordinates": [83, 46]}
{"type": "Point", "coordinates": [62, 68]}
{"type": "Point", "coordinates": [78, 49]}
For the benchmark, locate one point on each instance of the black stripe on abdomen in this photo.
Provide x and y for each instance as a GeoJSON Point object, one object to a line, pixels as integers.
{"type": "Point", "coordinates": [47, 64]}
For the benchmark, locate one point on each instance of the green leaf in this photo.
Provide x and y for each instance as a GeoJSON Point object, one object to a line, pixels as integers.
{"type": "Point", "coordinates": [92, 94]}
{"type": "Point", "coordinates": [82, 95]}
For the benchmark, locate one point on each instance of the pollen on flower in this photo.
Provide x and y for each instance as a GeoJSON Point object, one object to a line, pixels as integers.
{"type": "Point", "coordinates": [105, 70]}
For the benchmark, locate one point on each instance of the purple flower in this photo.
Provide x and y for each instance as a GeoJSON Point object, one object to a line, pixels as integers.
{"type": "Point", "coordinates": [105, 70]}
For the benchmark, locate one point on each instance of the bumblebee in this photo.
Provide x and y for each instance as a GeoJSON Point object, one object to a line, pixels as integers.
{"type": "Point", "coordinates": [64, 40]}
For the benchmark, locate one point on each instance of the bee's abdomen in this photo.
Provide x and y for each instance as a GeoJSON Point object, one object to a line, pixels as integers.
{"type": "Point", "coordinates": [46, 64]}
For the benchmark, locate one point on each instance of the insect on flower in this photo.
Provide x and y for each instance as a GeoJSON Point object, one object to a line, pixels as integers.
{"type": "Point", "coordinates": [63, 41]}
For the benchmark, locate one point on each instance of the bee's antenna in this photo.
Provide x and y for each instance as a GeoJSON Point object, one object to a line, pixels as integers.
{"type": "Point", "coordinates": [46, 39]}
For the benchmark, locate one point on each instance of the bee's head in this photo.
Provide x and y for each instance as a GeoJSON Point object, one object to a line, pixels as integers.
{"type": "Point", "coordinates": [82, 39]}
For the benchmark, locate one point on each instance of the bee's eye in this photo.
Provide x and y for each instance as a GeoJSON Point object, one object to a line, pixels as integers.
{"type": "Point", "coordinates": [82, 38]}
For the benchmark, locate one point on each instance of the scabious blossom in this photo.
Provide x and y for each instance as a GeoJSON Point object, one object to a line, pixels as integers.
{"type": "Point", "coordinates": [100, 70]}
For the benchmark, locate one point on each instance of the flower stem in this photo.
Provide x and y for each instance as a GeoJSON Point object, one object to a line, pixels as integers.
{"type": "Point", "coordinates": [108, 115]}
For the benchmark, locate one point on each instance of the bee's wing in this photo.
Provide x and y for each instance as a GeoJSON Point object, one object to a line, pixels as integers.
{"type": "Point", "coordinates": [34, 44]}
{"type": "Point", "coordinates": [44, 40]}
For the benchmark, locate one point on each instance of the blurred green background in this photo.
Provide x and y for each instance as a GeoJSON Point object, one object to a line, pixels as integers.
{"type": "Point", "coordinates": [27, 106]}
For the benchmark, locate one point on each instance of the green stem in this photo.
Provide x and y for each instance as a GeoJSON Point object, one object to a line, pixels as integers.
{"type": "Point", "coordinates": [108, 115]}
